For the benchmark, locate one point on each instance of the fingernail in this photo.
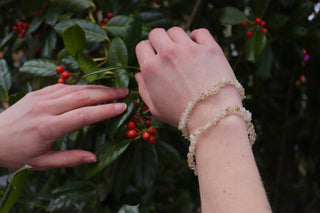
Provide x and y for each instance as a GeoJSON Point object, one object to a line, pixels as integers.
{"type": "Point", "coordinates": [120, 106]}
{"type": "Point", "coordinates": [89, 160]}
{"type": "Point", "coordinates": [123, 91]}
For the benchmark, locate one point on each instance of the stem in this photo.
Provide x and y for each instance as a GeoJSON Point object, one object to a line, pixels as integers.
{"type": "Point", "coordinates": [91, 17]}
{"type": "Point", "coordinates": [99, 59]}
{"type": "Point", "coordinates": [193, 14]}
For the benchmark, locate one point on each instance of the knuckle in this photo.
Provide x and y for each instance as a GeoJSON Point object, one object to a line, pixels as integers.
{"type": "Point", "coordinates": [148, 65]}
{"type": "Point", "coordinates": [175, 28]}
{"type": "Point", "coordinates": [155, 31]}
{"type": "Point", "coordinates": [81, 96]}
{"type": "Point", "coordinates": [169, 51]}
{"type": "Point", "coordinates": [68, 158]}
{"type": "Point", "coordinates": [84, 116]}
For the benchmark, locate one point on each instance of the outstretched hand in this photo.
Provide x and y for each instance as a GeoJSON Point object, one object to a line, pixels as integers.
{"type": "Point", "coordinates": [29, 128]}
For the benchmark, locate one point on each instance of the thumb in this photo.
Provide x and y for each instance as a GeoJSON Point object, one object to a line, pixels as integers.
{"type": "Point", "coordinates": [66, 158]}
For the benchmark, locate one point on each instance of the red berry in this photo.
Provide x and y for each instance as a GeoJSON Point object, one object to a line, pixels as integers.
{"type": "Point", "coordinates": [16, 28]}
{"type": "Point", "coordinates": [59, 69]}
{"type": "Point", "coordinates": [105, 20]}
{"type": "Point", "coordinates": [147, 123]}
{"type": "Point", "coordinates": [249, 33]}
{"type": "Point", "coordinates": [152, 139]}
{"type": "Point", "coordinates": [153, 131]}
{"type": "Point", "coordinates": [146, 135]}
{"type": "Point", "coordinates": [36, 13]}
{"type": "Point", "coordinates": [244, 24]}
{"type": "Point", "coordinates": [102, 24]}
{"type": "Point", "coordinates": [20, 24]}
{"type": "Point", "coordinates": [136, 118]}
{"type": "Point", "coordinates": [131, 125]}
{"type": "Point", "coordinates": [65, 75]}
{"type": "Point", "coordinates": [135, 102]}
{"type": "Point", "coordinates": [46, 4]}
{"type": "Point", "coordinates": [131, 133]}
{"type": "Point", "coordinates": [61, 81]}
{"type": "Point", "coordinates": [110, 15]}
{"type": "Point", "coordinates": [24, 31]}
{"type": "Point", "coordinates": [21, 35]}
{"type": "Point", "coordinates": [25, 25]}
{"type": "Point", "coordinates": [262, 23]}
{"type": "Point", "coordinates": [257, 20]}
{"type": "Point", "coordinates": [265, 30]}
{"type": "Point", "coordinates": [38, 36]}
{"type": "Point", "coordinates": [145, 108]}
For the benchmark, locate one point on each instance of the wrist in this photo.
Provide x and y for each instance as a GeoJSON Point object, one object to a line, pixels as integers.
{"type": "Point", "coordinates": [208, 108]}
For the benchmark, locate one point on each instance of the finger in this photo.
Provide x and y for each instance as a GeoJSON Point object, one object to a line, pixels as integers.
{"type": "Point", "coordinates": [60, 159]}
{"type": "Point", "coordinates": [86, 97]}
{"type": "Point", "coordinates": [159, 39]}
{"type": "Point", "coordinates": [49, 89]}
{"type": "Point", "coordinates": [144, 52]}
{"type": "Point", "coordinates": [143, 91]}
{"type": "Point", "coordinates": [78, 118]}
{"type": "Point", "coordinates": [202, 36]}
{"type": "Point", "coordinates": [177, 34]}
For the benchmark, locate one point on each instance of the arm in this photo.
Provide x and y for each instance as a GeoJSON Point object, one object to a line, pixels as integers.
{"type": "Point", "coordinates": [176, 68]}
{"type": "Point", "coordinates": [29, 128]}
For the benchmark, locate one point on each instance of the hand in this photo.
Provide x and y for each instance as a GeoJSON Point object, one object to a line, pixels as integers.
{"type": "Point", "coordinates": [29, 127]}
{"type": "Point", "coordinates": [176, 68]}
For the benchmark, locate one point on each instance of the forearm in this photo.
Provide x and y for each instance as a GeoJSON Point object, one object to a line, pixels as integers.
{"type": "Point", "coordinates": [228, 176]}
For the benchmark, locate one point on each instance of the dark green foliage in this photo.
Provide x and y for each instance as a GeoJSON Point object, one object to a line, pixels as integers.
{"type": "Point", "coordinates": [132, 175]}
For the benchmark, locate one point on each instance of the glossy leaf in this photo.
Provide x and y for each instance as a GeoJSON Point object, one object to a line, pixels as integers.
{"type": "Point", "coordinates": [87, 65]}
{"type": "Point", "coordinates": [107, 155]}
{"type": "Point", "coordinates": [52, 15]}
{"type": "Point", "coordinates": [39, 67]}
{"type": "Point", "coordinates": [117, 26]}
{"type": "Point", "coordinates": [72, 186]}
{"type": "Point", "coordinates": [133, 35]}
{"type": "Point", "coordinates": [255, 44]}
{"type": "Point", "coordinates": [118, 53]}
{"type": "Point", "coordinates": [265, 62]}
{"type": "Point", "coordinates": [70, 62]}
{"type": "Point", "coordinates": [74, 5]}
{"type": "Point", "coordinates": [94, 33]}
{"type": "Point", "coordinates": [5, 80]}
{"type": "Point", "coordinates": [233, 16]}
{"type": "Point", "coordinates": [129, 209]}
{"type": "Point", "coordinates": [121, 78]}
{"type": "Point", "coordinates": [7, 39]}
{"type": "Point", "coordinates": [74, 39]}
{"type": "Point", "coordinates": [50, 43]}
{"type": "Point", "coordinates": [17, 44]}
{"type": "Point", "coordinates": [15, 189]}
{"type": "Point", "coordinates": [36, 23]}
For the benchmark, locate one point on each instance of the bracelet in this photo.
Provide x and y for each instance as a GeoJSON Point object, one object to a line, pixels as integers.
{"type": "Point", "coordinates": [241, 111]}
{"type": "Point", "coordinates": [215, 89]}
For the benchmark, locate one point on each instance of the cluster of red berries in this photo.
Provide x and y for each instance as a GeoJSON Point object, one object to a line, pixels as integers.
{"type": "Point", "coordinates": [45, 5]}
{"type": "Point", "coordinates": [64, 74]}
{"type": "Point", "coordinates": [21, 28]}
{"type": "Point", "coordinates": [107, 19]}
{"type": "Point", "coordinates": [257, 22]}
{"type": "Point", "coordinates": [141, 126]}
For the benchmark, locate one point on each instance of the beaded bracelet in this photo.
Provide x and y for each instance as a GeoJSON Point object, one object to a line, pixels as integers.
{"type": "Point", "coordinates": [241, 111]}
{"type": "Point", "coordinates": [215, 89]}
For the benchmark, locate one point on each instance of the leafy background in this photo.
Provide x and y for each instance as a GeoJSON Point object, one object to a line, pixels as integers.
{"type": "Point", "coordinates": [133, 175]}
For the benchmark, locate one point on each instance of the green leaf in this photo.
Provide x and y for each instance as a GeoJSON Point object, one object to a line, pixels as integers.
{"type": "Point", "coordinates": [265, 62]}
{"type": "Point", "coordinates": [133, 35]}
{"type": "Point", "coordinates": [35, 24]}
{"type": "Point", "coordinates": [254, 45]}
{"type": "Point", "coordinates": [52, 15]}
{"type": "Point", "coordinates": [121, 78]}
{"type": "Point", "coordinates": [259, 6]}
{"type": "Point", "coordinates": [71, 186]}
{"type": "Point", "coordinates": [70, 62]}
{"type": "Point", "coordinates": [129, 209]}
{"type": "Point", "coordinates": [129, 100]}
{"type": "Point", "coordinates": [5, 80]}
{"type": "Point", "coordinates": [17, 44]}
{"type": "Point", "coordinates": [7, 39]}
{"type": "Point", "coordinates": [277, 21]}
{"type": "Point", "coordinates": [74, 39]}
{"type": "Point", "coordinates": [233, 16]}
{"type": "Point", "coordinates": [118, 53]}
{"type": "Point", "coordinates": [74, 5]}
{"type": "Point", "coordinates": [145, 165]}
{"type": "Point", "coordinates": [50, 43]}
{"type": "Point", "coordinates": [14, 191]}
{"type": "Point", "coordinates": [118, 26]}
{"type": "Point", "coordinates": [94, 33]}
{"type": "Point", "coordinates": [87, 65]}
{"type": "Point", "coordinates": [106, 155]}
{"type": "Point", "coordinates": [39, 67]}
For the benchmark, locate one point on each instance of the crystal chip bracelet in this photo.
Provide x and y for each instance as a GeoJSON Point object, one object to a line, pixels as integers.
{"type": "Point", "coordinates": [215, 89]}
{"type": "Point", "coordinates": [236, 110]}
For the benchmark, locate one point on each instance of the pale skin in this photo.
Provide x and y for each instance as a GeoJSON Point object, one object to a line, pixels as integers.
{"type": "Point", "coordinates": [176, 68]}
{"type": "Point", "coordinates": [29, 128]}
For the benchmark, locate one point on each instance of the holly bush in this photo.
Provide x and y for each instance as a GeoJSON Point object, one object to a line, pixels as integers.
{"type": "Point", "coordinates": [274, 57]}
